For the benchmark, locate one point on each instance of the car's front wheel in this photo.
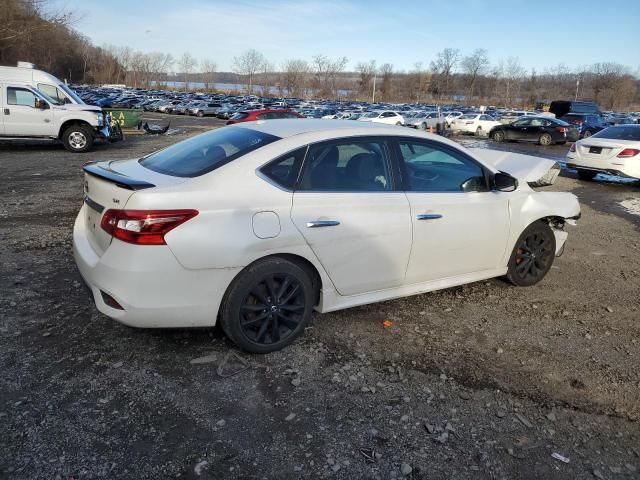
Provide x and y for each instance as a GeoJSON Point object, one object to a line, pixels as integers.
{"type": "Point", "coordinates": [532, 255]}
{"type": "Point", "coordinates": [78, 138]}
{"type": "Point", "coordinates": [587, 134]}
{"type": "Point", "coordinates": [498, 136]}
{"type": "Point", "coordinates": [268, 305]}
{"type": "Point", "coordinates": [200, 113]}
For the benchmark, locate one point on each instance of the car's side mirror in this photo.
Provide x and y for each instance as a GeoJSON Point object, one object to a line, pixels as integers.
{"type": "Point", "coordinates": [37, 103]}
{"type": "Point", "coordinates": [504, 182]}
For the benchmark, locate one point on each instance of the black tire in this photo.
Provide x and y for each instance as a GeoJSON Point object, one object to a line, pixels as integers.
{"type": "Point", "coordinates": [586, 174]}
{"type": "Point", "coordinates": [498, 136]}
{"type": "Point", "coordinates": [257, 300]}
{"type": "Point", "coordinates": [78, 138]}
{"type": "Point", "coordinates": [545, 139]}
{"type": "Point", "coordinates": [479, 132]}
{"type": "Point", "coordinates": [398, 124]}
{"type": "Point", "coordinates": [423, 126]}
{"type": "Point", "coordinates": [533, 255]}
{"type": "Point", "coordinates": [200, 113]}
{"type": "Point", "coordinates": [587, 134]}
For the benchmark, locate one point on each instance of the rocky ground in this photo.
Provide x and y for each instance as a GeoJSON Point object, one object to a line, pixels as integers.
{"type": "Point", "coordinates": [480, 381]}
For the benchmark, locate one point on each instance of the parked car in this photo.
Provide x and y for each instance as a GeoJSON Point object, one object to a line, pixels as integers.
{"type": "Point", "coordinates": [29, 114]}
{"type": "Point", "coordinates": [477, 123]}
{"type": "Point", "coordinates": [543, 130]}
{"type": "Point", "coordinates": [614, 150]}
{"type": "Point", "coordinates": [586, 124]}
{"type": "Point", "coordinates": [264, 114]}
{"type": "Point", "coordinates": [257, 224]}
{"type": "Point", "coordinates": [425, 120]}
{"type": "Point", "coordinates": [204, 108]}
{"type": "Point", "coordinates": [384, 116]}
{"type": "Point", "coordinates": [451, 116]}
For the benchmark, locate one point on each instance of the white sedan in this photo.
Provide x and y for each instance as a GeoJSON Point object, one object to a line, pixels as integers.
{"type": "Point", "coordinates": [479, 124]}
{"type": "Point", "coordinates": [614, 150]}
{"type": "Point", "coordinates": [257, 224]}
{"type": "Point", "coordinates": [384, 116]}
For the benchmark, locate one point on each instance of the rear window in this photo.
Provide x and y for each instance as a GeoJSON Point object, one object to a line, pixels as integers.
{"type": "Point", "coordinates": [619, 133]}
{"type": "Point", "coordinates": [239, 116]}
{"type": "Point", "coordinates": [204, 153]}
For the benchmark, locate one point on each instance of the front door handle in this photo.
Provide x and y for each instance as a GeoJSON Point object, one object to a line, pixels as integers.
{"type": "Point", "coordinates": [428, 216]}
{"type": "Point", "coordinates": [322, 223]}
{"type": "Point", "coordinates": [7, 111]}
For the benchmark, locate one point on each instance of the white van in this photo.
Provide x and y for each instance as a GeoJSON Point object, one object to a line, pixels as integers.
{"type": "Point", "coordinates": [37, 106]}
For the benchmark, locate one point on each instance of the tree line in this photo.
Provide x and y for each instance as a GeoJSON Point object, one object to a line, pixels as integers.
{"type": "Point", "coordinates": [31, 30]}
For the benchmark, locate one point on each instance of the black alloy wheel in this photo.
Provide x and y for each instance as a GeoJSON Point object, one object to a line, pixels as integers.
{"type": "Point", "coordinates": [268, 305]}
{"type": "Point", "coordinates": [533, 255]}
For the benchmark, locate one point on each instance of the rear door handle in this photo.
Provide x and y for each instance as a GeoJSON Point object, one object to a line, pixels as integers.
{"type": "Point", "coordinates": [322, 223]}
{"type": "Point", "coordinates": [428, 216]}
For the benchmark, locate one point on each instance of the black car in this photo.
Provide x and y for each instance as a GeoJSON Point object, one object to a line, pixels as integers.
{"type": "Point", "coordinates": [542, 130]}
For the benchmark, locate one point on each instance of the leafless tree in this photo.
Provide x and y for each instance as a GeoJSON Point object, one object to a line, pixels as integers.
{"type": "Point", "coordinates": [295, 73]}
{"type": "Point", "coordinates": [475, 65]}
{"type": "Point", "coordinates": [366, 71]}
{"type": "Point", "coordinates": [444, 66]}
{"type": "Point", "coordinates": [386, 72]}
{"type": "Point", "coordinates": [186, 63]}
{"type": "Point", "coordinates": [248, 65]}
{"type": "Point", "coordinates": [209, 68]}
{"type": "Point", "coordinates": [326, 71]}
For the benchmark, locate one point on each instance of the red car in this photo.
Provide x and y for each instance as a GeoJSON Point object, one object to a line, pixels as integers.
{"type": "Point", "coordinates": [265, 114]}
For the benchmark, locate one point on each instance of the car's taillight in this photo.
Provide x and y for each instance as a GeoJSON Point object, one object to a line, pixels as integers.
{"type": "Point", "coordinates": [628, 152]}
{"type": "Point", "coordinates": [563, 129]}
{"type": "Point", "coordinates": [572, 148]}
{"type": "Point", "coordinates": [143, 227]}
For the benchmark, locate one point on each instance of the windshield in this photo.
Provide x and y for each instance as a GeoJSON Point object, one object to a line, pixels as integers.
{"type": "Point", "coordinates": [619, 133]}
{"type": "Point", "coordinates": [45, 96]}
{"type": "Point", "coordinates": [206, 152]}
{"type": "Point", "coordinates": [71, 94]}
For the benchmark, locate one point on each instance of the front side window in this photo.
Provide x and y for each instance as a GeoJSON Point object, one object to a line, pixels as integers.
{"type": "Point", "coordinates": [431, 168]}
{"type": "Point", "coordinates": [523, 122]}
{"type": "Point", "coordinates": [358, 165]}
{"type": "Point", "coordinates": [21, 96]}
{"type": "Point", "coordinates": [52, 92]}
{"type": "Point", "coordinates": [206, 152]}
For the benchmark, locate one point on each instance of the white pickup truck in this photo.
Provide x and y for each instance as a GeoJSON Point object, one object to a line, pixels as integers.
{"type": "Point", "coordinates": [35, 105]}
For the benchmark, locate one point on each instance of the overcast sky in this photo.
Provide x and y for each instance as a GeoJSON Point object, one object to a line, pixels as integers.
{"type": "Point", "coordinates": [541, 33]}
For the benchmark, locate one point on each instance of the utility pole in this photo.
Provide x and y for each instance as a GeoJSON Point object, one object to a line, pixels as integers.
{"type": "Point", "coordinates": [373, 95]}
{"type": "Point", "coordinates": [577, 87]}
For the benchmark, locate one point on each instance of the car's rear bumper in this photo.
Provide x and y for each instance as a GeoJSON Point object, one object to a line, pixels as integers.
{"type": "Point", "coordinates": [152, 287]}
{"type": "Point", "coordinates": [614, 166]}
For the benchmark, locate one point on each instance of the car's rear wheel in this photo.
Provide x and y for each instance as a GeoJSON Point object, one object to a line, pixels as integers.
{"type": "Point", "coordinates": [200, 113]}
{"type": "Point", "coordinates": [545, 139]}
{"type": "Point", "coordinates": [586, 174]}
{"type": "Point", "coordinates": [78, 138]}
{"type": "Point", "coordinates": [398, 123]}
{"type": "Point", "coordinates": [498, 136]}
{"type": "Point", "coordinates": [268, 305]}
{"type": "Point", "coordinates": [479, 132]}
{"type": "Point", "coordinates": [532, 255]}
{"type": "Point", "coordinates": [587, 134]}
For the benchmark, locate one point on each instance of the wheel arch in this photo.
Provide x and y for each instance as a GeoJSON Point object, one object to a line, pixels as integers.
{"type": "Point", "coordinates": [71, 122]}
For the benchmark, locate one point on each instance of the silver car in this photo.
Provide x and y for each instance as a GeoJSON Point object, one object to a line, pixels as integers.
{"type": "Point", "coordinates": [205, 108]}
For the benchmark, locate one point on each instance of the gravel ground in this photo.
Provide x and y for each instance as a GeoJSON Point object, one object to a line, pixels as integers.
{"type": "Point", "coordinates": [481, 381]}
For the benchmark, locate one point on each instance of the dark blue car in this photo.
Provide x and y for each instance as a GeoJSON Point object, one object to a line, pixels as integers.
{"type": "Point", "coordinates": [587, 124]}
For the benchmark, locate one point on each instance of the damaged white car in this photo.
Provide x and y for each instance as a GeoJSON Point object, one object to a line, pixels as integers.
{"type": "Point", "coordinates": [257, 224]}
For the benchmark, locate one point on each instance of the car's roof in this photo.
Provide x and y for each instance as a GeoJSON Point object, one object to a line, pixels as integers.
{"type": "Point", "coordinates": [290, 127]}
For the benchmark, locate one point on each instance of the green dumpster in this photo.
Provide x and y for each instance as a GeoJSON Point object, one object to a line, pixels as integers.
{"type": "Point", "coordinates": [125, 117]}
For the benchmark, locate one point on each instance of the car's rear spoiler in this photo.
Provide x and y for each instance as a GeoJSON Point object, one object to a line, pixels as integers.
{"type": "Point", "coordinates": [102, 170]}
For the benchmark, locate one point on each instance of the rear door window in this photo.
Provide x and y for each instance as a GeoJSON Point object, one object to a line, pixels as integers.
{"type": "Point", "coordinates": [206, 152]}
{"type": "Point", "coordinates": [354, 165]}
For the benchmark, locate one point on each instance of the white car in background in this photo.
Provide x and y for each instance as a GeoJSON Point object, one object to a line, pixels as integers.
{"type": "Point", "coordinates": [426, 120]}
{"type": "Point", "coordinates": [614, 150]}
{"type": "Point", "coordinates": [479, 124]}
{"type": "Point", "coordinates": [257, 224]}
{"type": "Point", "coordinates": [451, 116]}
{"type": "Point", "coordinates": [388, 117]}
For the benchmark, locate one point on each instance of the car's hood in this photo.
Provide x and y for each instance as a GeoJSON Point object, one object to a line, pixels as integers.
{"type": "Point", "coordinates": [77, 108]}
{"type": "Point", "coordinates": [523, 167]}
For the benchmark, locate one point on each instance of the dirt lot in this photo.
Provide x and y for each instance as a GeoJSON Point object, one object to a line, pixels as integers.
{"type": "Point", "coordinates": [481, 381]}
